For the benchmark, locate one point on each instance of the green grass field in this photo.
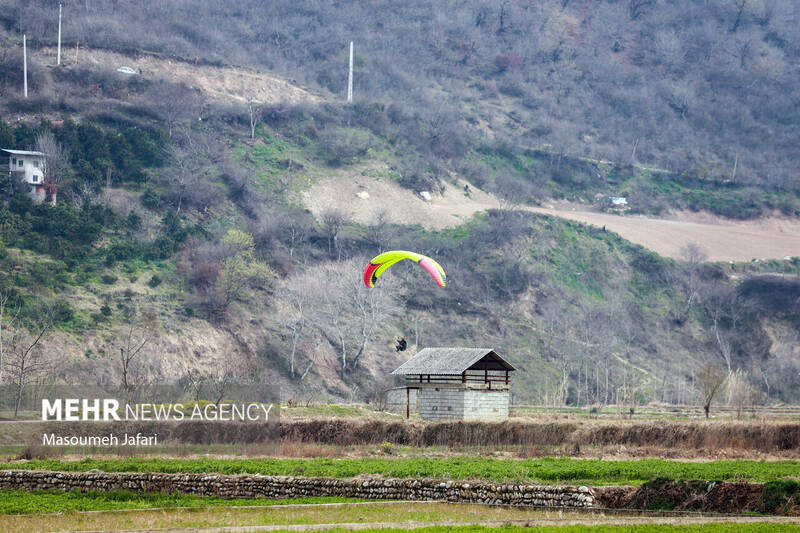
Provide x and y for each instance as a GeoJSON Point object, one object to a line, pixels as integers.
{"type": "Point", "coordinates": [401, 516]}
{"type": "Point", "coordinates": [648, 528]}
{"type": "Point", "coordinates": [546, 470]}
{"type": "Point", "coordinates": [53, 501]}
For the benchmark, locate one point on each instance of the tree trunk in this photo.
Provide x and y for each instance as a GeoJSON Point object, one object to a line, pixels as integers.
{"type": "Point", "coordinates": [19, 401]}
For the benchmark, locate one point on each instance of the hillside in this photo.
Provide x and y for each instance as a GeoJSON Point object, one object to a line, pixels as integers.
{"type": "Point", "coordinates": [722, 239]}
{"type": "Point", "coordinates": [230, 239]}
{"type": "Point", "coordinates": [701, 89]}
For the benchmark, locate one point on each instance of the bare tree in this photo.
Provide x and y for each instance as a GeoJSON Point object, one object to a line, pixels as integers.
{"type": "Point", "coordinates": [57, 157]}
{"type": "Point", "coordinates": [370, 307]}
{"type": "Point", "coordinates": [193, 380]}
{"type": "Point", "coordinates": [222, 377]}
{"type": "Point", "coordinates": [376, 232]}
{"type": "Point", "coordinates": [636, 8]}
{"type": "Point", "coordinates": [333, 220]}
{"type": "Point", "coordinates": [740, 6]}
{"type": "Point", "coordinates": [188, 180]}
{"type": "Point", "coordinates": [728, 311]}
{"type": "Point", "coordinates": [338, 323]}
{"type": "Point", "coordinates": [343, 310]}
{"type": "Point", "coordinates": [296, 313]}
{"type": "Point", "coordinates": [739, 391]}
{"type": "Point", "coordinates": [175, 103]}
{"type": "Point", "coordinates": [254, 110]}
{"type": "Point", "coordinates": [57, 162]}
{"type": "Point", "coordinates": [313, 358]}
{"type": "Point", "coordinates": [81, 194]}
{"type": "Point", "coordinates": [694, 255]}
{"type": "Point", "coordinates": [296, 233]}
{"type": "Point", "coordinates": [630, 392]}
{"type": "Point", "coordinates": [710, 379]}
{"type": "Point", "coordinates": [131, 343]}
{"type": "Point", "coordinates": [9, 311]}
{"type": "Point", "coordinates": [25, 362]}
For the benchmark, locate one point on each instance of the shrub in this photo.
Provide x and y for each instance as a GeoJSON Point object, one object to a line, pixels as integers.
{"type": "Point", "coordinates": [154, 281]}
{"type": "Point", "coordinates": [134, 221]}
{"type": "Point", "coordinates": [387, 448]}
{"type": "Point", "coordinates": [341, 146]}
{"type": "Point", "coordinates": [61, 312]}
{"type": "Point", "coordinates": [780, 494]}
{"type": "Point", "coordinates": [416, 175]}
{"type": "Point", "coordinates": [511, 60]}
{"type": "Point", "coordinates": [108, 279]}
{"type": "Point", "coordinates": [105, 310]}
{"type": "Point", "coordinates": [150, 198]}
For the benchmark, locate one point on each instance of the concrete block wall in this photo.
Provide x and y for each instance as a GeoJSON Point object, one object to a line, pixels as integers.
{"type": "Point", "coordinates": [485, 405]}
{"type": "Point", "coordinates": [396, 400]}
{"type": "Point", "coordinates": [441, 404]}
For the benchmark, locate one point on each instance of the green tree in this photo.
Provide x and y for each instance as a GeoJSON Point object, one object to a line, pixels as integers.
{"type": "Point", "coordinates": [6, 135]}
{"type": "Point", "coordinates": [5, 185]}
{"type": "Point", "coordinates": [240, 271]}
{"type": "Point", "coordinates": [24, 137]}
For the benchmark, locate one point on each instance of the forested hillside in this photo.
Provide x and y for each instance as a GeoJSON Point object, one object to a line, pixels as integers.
{"type": "Point", "coordinates": [705, 88]}
{"type": "Point", "coordinates": [180, 247]}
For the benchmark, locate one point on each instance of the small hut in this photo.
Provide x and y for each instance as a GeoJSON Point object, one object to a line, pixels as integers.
{"type": "Point", "coordinates": [458, 384]}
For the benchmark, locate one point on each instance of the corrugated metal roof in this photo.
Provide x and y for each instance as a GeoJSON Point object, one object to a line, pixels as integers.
{"type": "Point", "coordinates": [448, 361]}
{"type": "Point", "coordinates": [22, 152]}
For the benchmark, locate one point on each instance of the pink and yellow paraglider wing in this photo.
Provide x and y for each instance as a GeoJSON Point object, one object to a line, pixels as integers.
{"type": "Point", "coordinates": [436, 273]}
{"type": "Point", "coordinates": [381, 262]}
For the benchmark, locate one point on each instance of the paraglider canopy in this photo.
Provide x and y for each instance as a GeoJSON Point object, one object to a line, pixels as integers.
{"type": "Point", "coordinates": [380, 263]}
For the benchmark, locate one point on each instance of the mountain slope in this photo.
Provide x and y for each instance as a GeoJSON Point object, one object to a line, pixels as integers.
{"type": "Point", "coordinates": [721, 239]}
{"type": "Point", "coordinates": [159, 212]}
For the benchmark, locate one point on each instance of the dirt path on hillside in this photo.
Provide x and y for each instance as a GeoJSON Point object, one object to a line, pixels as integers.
{"type": "Point", "coordinates": [722, 239]}
{"type": "Point", "coordinates": [225, 84]}
{"type": "Point", "coordinates": [362, 199]}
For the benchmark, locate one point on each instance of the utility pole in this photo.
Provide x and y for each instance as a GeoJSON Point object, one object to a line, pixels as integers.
{"type": "Point", "coordinates": [25, 64]}
{"type": "Point", "coordinates": [350, 77]}
{"type": "Point", "coordinates": [58, 61]}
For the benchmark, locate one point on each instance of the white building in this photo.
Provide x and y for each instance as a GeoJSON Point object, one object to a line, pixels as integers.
{"type": "Point", "coordinates": [29, 168]}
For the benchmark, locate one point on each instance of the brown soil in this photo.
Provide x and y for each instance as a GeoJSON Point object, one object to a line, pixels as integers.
{"type": "Point", "coordinates": [401, 206]}
{"type": "Point", "coordinates": [722, 239]}
{"type": "Point", "coordinates": [224, 84]}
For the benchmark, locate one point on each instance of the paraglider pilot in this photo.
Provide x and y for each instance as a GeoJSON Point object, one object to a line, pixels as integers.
{"type": "Point", "coordinates": [401, 345]}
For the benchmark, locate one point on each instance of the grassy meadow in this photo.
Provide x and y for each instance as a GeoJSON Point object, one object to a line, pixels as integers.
{"type": "Point", "coordinates": [545, 470]}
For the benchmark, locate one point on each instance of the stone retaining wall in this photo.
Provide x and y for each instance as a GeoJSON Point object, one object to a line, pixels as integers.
{"type": "Point", "coordinates": [256, 486]}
